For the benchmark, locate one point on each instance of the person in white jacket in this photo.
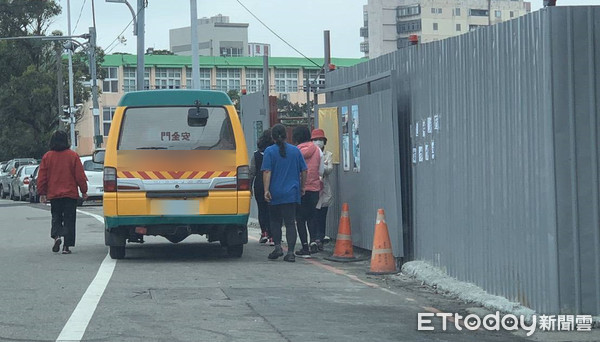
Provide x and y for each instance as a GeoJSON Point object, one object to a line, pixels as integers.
{"type": "Point", "coordinates": [325, 195]}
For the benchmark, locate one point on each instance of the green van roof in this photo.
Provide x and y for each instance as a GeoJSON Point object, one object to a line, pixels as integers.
{"type": "Point", "coordinates": [174, 98]}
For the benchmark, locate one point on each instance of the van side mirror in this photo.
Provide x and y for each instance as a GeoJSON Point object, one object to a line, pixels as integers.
{"type": "Point", "coordinates": [197, 117]}
{"type": "Point", "coordinates": [98, 156]}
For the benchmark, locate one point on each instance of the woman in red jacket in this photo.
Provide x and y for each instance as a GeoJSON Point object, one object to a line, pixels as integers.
{"type": "Point", "coordinates": [60, 174]}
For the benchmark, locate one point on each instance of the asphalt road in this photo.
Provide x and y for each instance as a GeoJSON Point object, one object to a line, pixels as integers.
{"type": "Point", "coordinates": [192, 292]}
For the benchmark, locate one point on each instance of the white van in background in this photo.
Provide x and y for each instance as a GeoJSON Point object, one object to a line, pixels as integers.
{"type": "Point", "coordinates": [94, 173]}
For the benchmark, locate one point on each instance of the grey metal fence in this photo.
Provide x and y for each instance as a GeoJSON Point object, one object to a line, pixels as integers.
{"type": "Point", "coordinates": [499, 154]}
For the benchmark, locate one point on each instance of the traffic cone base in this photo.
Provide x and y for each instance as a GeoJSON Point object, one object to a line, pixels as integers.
{"type": "Point", "coordinates": [382, 256]}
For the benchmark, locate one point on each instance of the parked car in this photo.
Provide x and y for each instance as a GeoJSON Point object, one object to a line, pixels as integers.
{"type": "Point", "coordinates": [33, 194]}
{"type": "Point", "coordinates": [94, 173]}
{"type": "Point", "coordinates": [10, 169]}
{"type": "Point", "coordinates": [19, 188]}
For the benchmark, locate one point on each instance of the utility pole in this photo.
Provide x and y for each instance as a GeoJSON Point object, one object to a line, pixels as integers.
{"type": "Point", "coordinates": [266, 87]}
{"type": "Point", "coordinates": [71, 100]}
{"type": "Point", "coordinates": [59, 82]}
{"type": "Point", "coordinates": [95, 105]}
{"type": "Point", "coordinates": [195, 58]}
{"type": "Point", "coordinates": [140, 45]}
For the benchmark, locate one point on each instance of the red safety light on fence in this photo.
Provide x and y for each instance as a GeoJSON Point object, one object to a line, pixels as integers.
{"type": "Point", "coordinates": [331, 67]}
{"type": "Point", "coordinates": [243, 91]}
{"type": "Point", "coordinates": [413, 39]}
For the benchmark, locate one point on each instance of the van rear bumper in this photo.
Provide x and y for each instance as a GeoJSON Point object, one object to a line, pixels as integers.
{"type": "Point", "coordinates": [111, 222]}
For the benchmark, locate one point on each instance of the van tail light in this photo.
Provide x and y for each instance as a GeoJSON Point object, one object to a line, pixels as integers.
{"type": "Point", "coordinates": [26, 180]}
{"type": "Point", "coordinates": [243, 178]}
{"type": "Point", "coordinates": [110, 179]}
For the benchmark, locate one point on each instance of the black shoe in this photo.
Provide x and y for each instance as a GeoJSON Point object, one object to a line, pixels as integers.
{"type": "Point", "coordinates": [263, 238]}
{"type": "Point", "coordinates": [319, 245]}
{"type": "Point", "coordinates": [275, 254]}
{"type": "Point", "coordinates": [314, 248]}
{"type": "Point", "coordinates": [326, 240]}
{"type": "Point", "coordinates": [290, 257]}
{"type": "Point", "coordinates": [56, 246]}
{"type": "Point", "coordinates": [303, 253]}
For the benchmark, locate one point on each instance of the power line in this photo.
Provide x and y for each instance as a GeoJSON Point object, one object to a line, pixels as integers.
{"type": "Point", "coordinates": [80, 11]}
{"type": "Point", "coordinates": [120, 34]}
{"type": "Point", "coordinates": [278, 36]}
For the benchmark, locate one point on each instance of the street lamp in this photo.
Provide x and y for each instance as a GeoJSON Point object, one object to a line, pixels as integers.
{"type": "Point", "coordinates": [132, 13]}
{"type": "Point", "coordinates": [138, 30]}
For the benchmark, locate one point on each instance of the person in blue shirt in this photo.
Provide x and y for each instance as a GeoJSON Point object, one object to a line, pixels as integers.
{"type": "Point", "coordinates": [284, 177]}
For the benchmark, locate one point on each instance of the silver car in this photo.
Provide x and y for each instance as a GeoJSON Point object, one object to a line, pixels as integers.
{"type": "Point", "coordinates": [19, 188]}
{"type": "Point", "coordinates": [8, 171]}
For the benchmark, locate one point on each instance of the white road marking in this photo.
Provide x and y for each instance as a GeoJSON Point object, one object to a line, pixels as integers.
{"type": "Point", "coordinates": [81, 316]}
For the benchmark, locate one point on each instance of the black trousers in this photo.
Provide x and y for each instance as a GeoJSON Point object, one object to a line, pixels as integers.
{"type": "Point", "coordinates": [280, 213]}
{"type": "Point", "coordinates": [320, 222]}
{"type": "Point", "coordinates": [63, 219]}
{"type": "Point", "coordinates": [263, 217]}
{"type": "Point", "coordinates": [304, 216]}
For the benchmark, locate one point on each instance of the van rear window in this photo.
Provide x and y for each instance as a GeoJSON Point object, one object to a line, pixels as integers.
{"type": "Point", "coordinates": [168, 128]}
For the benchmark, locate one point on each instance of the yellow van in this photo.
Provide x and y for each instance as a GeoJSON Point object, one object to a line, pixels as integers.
{"type": "Point", "coordinates": [175, 164]}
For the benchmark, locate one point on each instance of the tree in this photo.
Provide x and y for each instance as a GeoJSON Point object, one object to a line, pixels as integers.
{"type": "Point", "coordinates": [234, 95]}
{"type": "Point", "coordinates": [28, 78]}
{"type": "Point", "coordinates": [161, 52]}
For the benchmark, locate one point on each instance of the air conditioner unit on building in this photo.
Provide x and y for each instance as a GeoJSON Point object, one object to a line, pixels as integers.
{"type": "Point", "coordinates": [283, 96]}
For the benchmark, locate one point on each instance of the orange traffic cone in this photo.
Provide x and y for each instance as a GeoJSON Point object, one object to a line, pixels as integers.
{"type": "Point", "coordinates": [343, 250]}
{"type": "Point", "coordinates": [382, 258]}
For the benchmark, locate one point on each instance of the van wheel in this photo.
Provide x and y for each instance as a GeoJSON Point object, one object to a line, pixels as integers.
{"type": "Point", "coordinates": [2, 194]}
{"type": "Point", "coordinates": [235, 251]}
{"type": "Point", "coordinates": [117, 252]}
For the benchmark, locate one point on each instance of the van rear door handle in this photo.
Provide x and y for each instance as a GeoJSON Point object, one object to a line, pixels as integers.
{"type": "Point", "coordinates": [176, 194]}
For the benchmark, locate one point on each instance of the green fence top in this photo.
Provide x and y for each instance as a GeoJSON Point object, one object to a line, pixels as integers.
{"type": "Point", "coordinates": [175, 61]}
{"type": "Point", "coordinates": [174, 98]}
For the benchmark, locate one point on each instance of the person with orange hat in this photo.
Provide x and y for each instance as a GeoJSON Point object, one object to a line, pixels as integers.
{"type": "Point", "coordinates": [325, 195]}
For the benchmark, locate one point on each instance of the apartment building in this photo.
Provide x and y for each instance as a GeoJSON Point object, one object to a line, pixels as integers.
{"type": "Point", "coordinates": [216, 37]}
{"type": "Point", "coordinates": [388, 24]}
{"type": "Point", "coordinates": [286, 79]}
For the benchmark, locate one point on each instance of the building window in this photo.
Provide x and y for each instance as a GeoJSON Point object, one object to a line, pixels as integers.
{"type": "Point", "coordinates": [458, 27]}
{"type": "Point", "coordinates": [439, 11]}
{"type": "Point", "coordinates": [474, 27]}
{"type": "Point", "coordinates": [366, 18]}
{"type": "Point", "coordinates": [457, 12]}
{"type": "Point", "coordinates": [498, 14]}
{"type": "Point", "coordinates": [433, 10]}
{"type": "Point", "coordinates": [229, 79]}
{"type": "Point", "coordinates": [408, 26]}
{"type": "Point", "coordinates": [478, 13]}
{"type": "Point", "coordinates": [130, 81]}
{"type": "Point", "coordinates": [107, 116]}
{"type": "Point", "coordinates": [408, 11]}
{"type": "Point", "coordinates": [286, 80]}
{"type": "Point", "coordinates": [204, 78]}
{"type": "Point", "coordinates": [314, 76]}
{"type": "Point", "coordinates": [167, 78]}
{"type": "Point", "coordinates": [435, 26]}
{"type": "Point", "coordinates": [402, 43]}
{"type": "Point", "coordinates": [254, 80]}
{"type": "Point", "coordinates": [232, 52]}
{"type": "Point", "coordinates": [512, 14]}
{"type": "Point", "coordinates": [111, 80]}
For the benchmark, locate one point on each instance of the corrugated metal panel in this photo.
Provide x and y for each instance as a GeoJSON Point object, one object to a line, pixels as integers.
{"type": "Point", "coordinates": [482, 201]}
{"type": "Point", "coordinates": [363, 192]}
{"type": "Point", "coordinates": [576, 94]}
{"type": "Point", "coordinates": [251, 106]}
{"type": "Point", "coordinates": [505, 189]}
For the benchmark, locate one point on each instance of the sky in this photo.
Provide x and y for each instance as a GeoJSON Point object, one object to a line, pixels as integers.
{"type": "Point", "coordinates": [300, 23]}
